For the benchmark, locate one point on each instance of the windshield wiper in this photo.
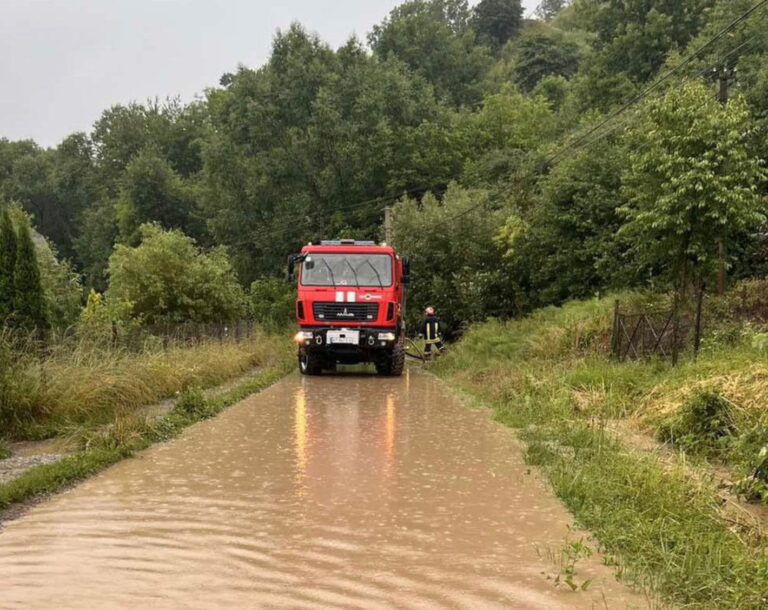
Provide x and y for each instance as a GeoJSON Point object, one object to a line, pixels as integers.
{"type": "Point", "coordinates": [357, 282]}
{"type": "Point", "coordinates": [378, 277]}
{"type": "Point", "coordinates": [333, 279]}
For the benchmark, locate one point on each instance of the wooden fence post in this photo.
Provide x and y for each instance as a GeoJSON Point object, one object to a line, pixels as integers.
{"type": "Point", "coordinates": [615, 335]}
{"type": "Point", "coordinates": [697, 336]}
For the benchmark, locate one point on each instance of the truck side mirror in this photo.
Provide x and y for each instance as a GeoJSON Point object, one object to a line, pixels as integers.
{"type": "Point", "coordinates": [291, 262]}
{"type": "Point", "coordinates": [406, 271]}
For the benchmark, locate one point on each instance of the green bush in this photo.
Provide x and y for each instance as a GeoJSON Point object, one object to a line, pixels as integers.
{"type": "Point", "coordinates": [168, 279]}
{"type": "Point", "coordinates": [5, 450]}
{"type": "Point", "coordinates": [193, 403]}
{"type": "Point", "coordinates": [704, 425]}
{"type": "Point", "coordinates": [271, 302]}
{"type": "Point", "coordinates": [751, 450]}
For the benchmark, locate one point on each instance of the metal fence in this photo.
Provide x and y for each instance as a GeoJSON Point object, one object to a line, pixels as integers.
{"type": "Point", "coordinates": [662, 334]}
{"type": "Point", "coordinates": [187, 333]}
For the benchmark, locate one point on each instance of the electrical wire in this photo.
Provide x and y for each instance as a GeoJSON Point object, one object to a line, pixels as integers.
{"type": "Point", "coordinates": [664, 78]}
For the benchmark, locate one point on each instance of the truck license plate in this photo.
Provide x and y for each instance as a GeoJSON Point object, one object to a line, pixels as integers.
{"type": "Point", "coordinates": [349, 337]}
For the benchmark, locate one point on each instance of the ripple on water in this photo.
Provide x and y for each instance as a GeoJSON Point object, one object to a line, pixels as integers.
{"type": "Point", "coordinates": [333, 492]}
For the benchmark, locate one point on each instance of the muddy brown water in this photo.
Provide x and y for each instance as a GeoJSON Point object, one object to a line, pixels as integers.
{"type": "Point", "coordinates": [333, 492]}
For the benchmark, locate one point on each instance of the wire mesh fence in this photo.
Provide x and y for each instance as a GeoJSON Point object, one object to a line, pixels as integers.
{"type": "Point", "coordinates": [129, 337]}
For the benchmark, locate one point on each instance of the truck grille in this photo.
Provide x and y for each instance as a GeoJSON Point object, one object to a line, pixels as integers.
{"type": "Point", "coordinates": [346, 312]}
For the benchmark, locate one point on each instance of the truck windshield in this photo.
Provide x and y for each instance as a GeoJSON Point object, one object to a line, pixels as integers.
{"type": "Point", "coordinates": [365, 270]}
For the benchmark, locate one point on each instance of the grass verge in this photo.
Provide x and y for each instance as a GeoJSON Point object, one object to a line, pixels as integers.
{"type": "Point", "coordinates": [548, 377]}
{"type": "Point", "coordinates": [127, 435]}
{"type": "Point", "coordinates": [83, 384]}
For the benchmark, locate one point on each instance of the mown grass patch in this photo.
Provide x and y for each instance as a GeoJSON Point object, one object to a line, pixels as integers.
{"type": "Point", "coordinates": [549, 376]}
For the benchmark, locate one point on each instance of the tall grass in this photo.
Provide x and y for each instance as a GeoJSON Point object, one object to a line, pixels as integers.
{"type": "Point", "coordinates": [550, 377]}
{"type": "Point", "coordinates": [86, 382]}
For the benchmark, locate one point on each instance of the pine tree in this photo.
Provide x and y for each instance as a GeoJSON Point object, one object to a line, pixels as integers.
{"type": "Point", "coordinates": [7, 264]}
{"type": "Point", "coordinates": [29, 300]}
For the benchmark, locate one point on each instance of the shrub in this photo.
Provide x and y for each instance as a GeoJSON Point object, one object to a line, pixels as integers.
{"type": "Point", "coordinates": [168, 279]}
{"type": "Point", "coordinates": [704, 425]}
{"type": "Point", "coordinates": [193, 403]}
{"type": "Point", "coordinates": [751, 450]}
{"type": "Point", "coordinates": [271, 302]}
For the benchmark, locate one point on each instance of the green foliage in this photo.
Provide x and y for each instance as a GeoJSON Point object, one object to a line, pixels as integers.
{"type": "Point", "coordinates": [5, 450]}
{"type": "Point", "coordinates": [153, 192]}
{"type": "Point", "coordinates": [549, 9]}
{"type": "Point", "coordinates": [704, 425]}
{"type": "Point", "coordinates": [29, 306]}
{"type": "Point", "coordinates": [571, 233]}
{"type": "Point", "coordinates": [435, 40]}
{"type": "Point", "coordinates": [538, 54]}
{"type": "Point", "coordinates": [316, 141]}
{"type": "Point", "coordinates": [271, 302]}
{"type": "Point", "coordinates": [8, 248]}
{"type": "Point", "coordinates": [62, 287]}
{"type": "Point", "coordinates": [193, 403]}
{"type": "Point", "coordinates": [691, 180]}
{"type": "Point", "coordinates": [456, 263]}
{"type": "Point", "coordinates": [302, 142]}
{"type": "Point", "coordinates": [634, 37]}
{"type": "Point", "coordinates": [497, 21]}
{"type": "Point", "coordinates": [168, 279]}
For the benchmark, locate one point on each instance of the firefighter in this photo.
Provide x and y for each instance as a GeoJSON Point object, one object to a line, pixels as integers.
{"type": "Point", "coordinates": [430, 330]}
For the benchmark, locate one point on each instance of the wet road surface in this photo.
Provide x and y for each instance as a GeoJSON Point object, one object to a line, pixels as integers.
{"type": "Point", "coordinates": [330, 492]}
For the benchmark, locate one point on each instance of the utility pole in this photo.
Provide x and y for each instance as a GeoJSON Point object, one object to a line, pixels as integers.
{"type": "Point", "coordinates": [388, 232]}
{"type": "Point", "coordinates": [725, 77]}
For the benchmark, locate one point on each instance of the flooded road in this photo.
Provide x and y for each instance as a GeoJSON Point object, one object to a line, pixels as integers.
{"type": "Point", "coordinates": [330, 492]}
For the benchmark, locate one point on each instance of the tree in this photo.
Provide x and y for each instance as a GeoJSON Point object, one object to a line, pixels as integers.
{"type": "Point", "coordinates": [566, 247]}
{"type": "Point", "coordinates": [168, 279]}
{"type": "Point", "coordinates": [298, 147]}
{"type": "Point", "coordinates": [271, 302]}
{"type": "Point", "coordinates": [29, 307]}
{"type": "Point", "coordinates": [435, 40]}
{"type": "Point", "coordinates": [634, 37]}
{"type": "Point", "coordinates": [545, 53]}
{"type": "Point", "coordinates": [497, 21]}
{"type": "Point", "coordinates": [153, 192]}
{"type": "Point", "coordinates": [548, 9]}
{"type": "Point", "coordinates": [8, 247]}
{"type": "Point", "coordinates": [691, 181]}
{"type": "Point", "coordinates": [459, 265]}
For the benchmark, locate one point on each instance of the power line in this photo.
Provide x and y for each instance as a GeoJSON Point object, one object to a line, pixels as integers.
{"type": "Point", "coordinates": [711, 68]}
{"type": "Point", "coordinates": [290, 224]}
{"type": "Point", "coordinates": [665, 77]}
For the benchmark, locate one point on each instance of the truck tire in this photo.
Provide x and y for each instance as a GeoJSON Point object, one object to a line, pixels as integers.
{"type": "Point", "coordinates": [310, 365]}
{"type": "Point", "coordinates": [392, 363]}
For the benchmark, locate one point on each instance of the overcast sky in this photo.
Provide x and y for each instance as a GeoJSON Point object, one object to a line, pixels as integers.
{"type": "Point", "coordinates": [62, 62]}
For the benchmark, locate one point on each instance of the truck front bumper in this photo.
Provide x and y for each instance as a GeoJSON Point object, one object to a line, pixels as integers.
{"type": "Point", "coordinates": [345, 339]}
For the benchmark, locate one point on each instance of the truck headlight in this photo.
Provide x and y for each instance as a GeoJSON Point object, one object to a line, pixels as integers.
{"type": "Point", "coordinates": [387, 336]}
{"type": "Point", "coordinates": [302, 336]}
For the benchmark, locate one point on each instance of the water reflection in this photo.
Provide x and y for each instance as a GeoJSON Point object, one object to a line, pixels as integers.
{"type": "Point", "coordinates": [290, 500]}
{"type": "Point", "coordinates": [301, 431]}
{"type": "Point", "coordinates": [390, 429]}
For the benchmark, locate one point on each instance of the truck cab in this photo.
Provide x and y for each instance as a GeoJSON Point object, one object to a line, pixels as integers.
{"type": "Point", "coordinates": [350, 306]}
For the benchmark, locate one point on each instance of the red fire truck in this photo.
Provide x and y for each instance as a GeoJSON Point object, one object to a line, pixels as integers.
{"type": "Point", "coordinates": [350, 306]}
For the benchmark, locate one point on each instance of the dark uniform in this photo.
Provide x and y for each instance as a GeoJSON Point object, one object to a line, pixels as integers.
{"type": "Point", "coordinates": [430, 330]}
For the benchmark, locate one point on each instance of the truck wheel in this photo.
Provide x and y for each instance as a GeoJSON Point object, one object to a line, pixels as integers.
{"type": "Point", "coordinates": [309, 365]}
{"type": "Point", "coordinates": [392, 363]}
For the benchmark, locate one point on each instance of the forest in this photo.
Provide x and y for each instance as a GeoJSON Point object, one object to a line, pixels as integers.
{"type": "Point", "coordinates": [529, 159]}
